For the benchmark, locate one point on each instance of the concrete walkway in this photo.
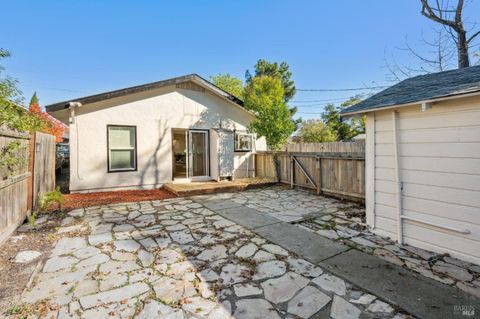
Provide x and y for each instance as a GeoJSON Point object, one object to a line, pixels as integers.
{"type": "Point", "coordinates": [418, 295]}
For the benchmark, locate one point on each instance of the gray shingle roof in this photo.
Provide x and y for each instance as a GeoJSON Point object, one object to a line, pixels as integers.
{"type": "Point", "coordinates": [422, 88]}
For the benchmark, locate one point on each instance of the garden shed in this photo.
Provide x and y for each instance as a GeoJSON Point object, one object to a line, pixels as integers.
{"type": "Point", "coordinates": [423, 162]}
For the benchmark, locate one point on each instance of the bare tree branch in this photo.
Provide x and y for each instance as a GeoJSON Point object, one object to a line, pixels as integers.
{"type": "Point", "coordinates": [473, 36]}
{"type": "Point", "coordinates": [440, 14]}
{"type": "Point", "coordinates": [429, 13]}
{"type": "Point", "coordinates": [450, 42]}
{"type": "Point", "coordinates": [458, 14]}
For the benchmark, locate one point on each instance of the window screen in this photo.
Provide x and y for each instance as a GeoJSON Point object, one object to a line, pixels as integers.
{"type": "Point", "coordinates": [122, 148]}
{"type": "Point", "coordinates": [243, 142]}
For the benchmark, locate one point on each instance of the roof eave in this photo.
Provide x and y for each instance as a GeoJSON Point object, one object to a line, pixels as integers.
{"type": "Point", "coordinates": [118, 93]}
{"type": "Point", "coordinates": [145, 87]}
{"type": "Point", "coordinates": [387, 107]}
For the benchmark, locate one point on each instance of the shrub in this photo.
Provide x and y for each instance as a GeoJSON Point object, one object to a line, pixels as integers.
{"type": "Point", "coordinates": [56, 197]}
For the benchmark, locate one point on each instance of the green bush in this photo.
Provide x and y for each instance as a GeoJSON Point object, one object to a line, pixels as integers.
{"type": "Point", "coordinates": [45, 202]}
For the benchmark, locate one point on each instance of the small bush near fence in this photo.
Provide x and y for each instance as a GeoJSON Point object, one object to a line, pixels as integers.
{"type": "Point", "coordinates": [51, 200]}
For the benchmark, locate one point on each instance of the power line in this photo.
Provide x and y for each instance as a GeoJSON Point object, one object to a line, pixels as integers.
{"type": "Point", "coordinates": [342, 90]}
{"type": "Point", "coordinates": [313, 105]}
{"type": "Point", "coordinates": [323, 100]}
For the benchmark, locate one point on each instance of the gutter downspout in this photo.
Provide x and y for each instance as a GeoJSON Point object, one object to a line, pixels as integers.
{"type": "Point", "coordinates": [73, 120]}
{"type": "Point", "coordinates": [398, 183]}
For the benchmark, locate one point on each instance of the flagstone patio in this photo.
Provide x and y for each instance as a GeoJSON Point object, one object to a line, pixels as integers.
{"type": "Point", "coordinates": [345, 222]}
{"type": "Point", "coordinates": [178, 259]}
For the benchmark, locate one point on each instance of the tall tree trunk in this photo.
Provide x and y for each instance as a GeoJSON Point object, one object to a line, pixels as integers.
{"type": "Point", "coordinates": [462, 44]}
{"type": "Point", "coordinates": [440, 14]}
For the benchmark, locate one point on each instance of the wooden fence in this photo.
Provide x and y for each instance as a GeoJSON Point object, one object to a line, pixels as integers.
{"type": "Point", "coordinates": [44, 165]}
{"type": "Point", "coordinates": [336, 169]}
{"type": "Point", "coordinates": [342, 148]}
{"type": "Point", "coordinates": [27, 170]}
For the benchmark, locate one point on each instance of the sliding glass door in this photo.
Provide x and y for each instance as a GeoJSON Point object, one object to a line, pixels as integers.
{"type": "Point", "coordinates": [198, 153]}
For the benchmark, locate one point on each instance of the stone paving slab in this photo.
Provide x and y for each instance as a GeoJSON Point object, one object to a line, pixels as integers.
{"type": "Point", "coordinates": [218, 204]}
{"type": "Point", "coordinates": [310, 246]}
{"type": "Point", "coordinates": [289, 236]}
{"type": "Point", "coordinates": [418, 295]}
{"type": "Point", "coordinates": [247, 217]}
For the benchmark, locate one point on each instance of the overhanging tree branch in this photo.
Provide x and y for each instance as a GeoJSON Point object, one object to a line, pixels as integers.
{"type": "Point", "coordinates": [473, 36]}
{"type": "Point", "coordinates": [429, 13]}
{"type": "Point", "coordinates": [443, 15]}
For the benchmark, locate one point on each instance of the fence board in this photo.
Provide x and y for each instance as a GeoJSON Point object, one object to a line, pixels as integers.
{"type": "Point", "coordinates": [334, 147]}
{"type": "Point", "coordinates": [44, 165]}
{"type": "Point", "coordinates": [17, 185]}
{"type": "Point", "coordinates": [340, 171]}
{"type": "Point", "coordinates": [13, 182]}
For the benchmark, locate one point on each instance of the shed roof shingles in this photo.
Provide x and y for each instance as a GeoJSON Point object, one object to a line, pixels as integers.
{"type": "Point", "coordinates": [422, 88]}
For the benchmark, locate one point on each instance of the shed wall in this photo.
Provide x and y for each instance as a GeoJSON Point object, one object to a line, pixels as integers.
{"type": "Point", "coordinates": [440, 169]}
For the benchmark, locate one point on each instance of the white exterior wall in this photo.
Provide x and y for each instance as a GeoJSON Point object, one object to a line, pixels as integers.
{"type": "Point", "coordinates": [439, 154]}
{"type": "Point", "coordinates": [154, 113]}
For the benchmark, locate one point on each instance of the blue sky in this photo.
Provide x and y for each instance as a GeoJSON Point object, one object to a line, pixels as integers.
{"type": "Point", "coordinates": [67, 49]}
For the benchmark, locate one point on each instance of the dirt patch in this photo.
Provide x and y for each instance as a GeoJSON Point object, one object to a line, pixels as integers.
{"type": "Point", "coordinates": [102, 198]}
{"type": "Point", "coordinates": [15, 276]}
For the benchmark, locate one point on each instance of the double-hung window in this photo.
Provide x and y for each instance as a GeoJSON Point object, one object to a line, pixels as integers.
{"type": "Point", "coordinates": [122, 148]}
{"type": "Point", "coordinates": [243, 142]}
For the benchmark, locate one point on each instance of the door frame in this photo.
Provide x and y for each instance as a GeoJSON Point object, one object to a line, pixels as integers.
{"type": "Point", "coordinates": [207, 155]}
{"type": "Point", "coordinates": [188, 177]}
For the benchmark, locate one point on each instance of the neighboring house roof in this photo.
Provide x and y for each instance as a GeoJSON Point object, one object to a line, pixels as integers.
{"type": "Point", "coordinates": [145, 87]}
{"type": "Point", "coordinates": [422, 88]}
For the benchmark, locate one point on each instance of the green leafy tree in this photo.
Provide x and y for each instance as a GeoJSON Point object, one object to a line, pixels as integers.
{"type": "Point", "coordinates": [228, 83]}
{"type": "Point", "coordinates": [315, 131]}
{"type": "Point", "coordinates": [264, 95]}
{"type": "Point", "coordinates": [357, 124]}
{"type": "Point", "coordinates": [280, 71]}
{"type": "Point", "coordinates": [344, 129]}
{"type": "Point", "coordinates": [275, 70]}
{"type": "Point", "coordinates": [11, 114]}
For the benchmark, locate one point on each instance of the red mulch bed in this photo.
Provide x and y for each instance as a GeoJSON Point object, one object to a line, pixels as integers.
{"type": "Point", "coordinates": [73, 201]}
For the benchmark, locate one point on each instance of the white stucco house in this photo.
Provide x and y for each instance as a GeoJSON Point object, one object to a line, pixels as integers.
{"type": "Point", "coordinates": [180, 129]}
{"type": "Point", "coordinates": [423, 162]}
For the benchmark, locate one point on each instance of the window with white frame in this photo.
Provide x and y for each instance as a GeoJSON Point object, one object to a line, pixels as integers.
{"type": "Point", "coordinates": [122, 148]}
{"type": "Point", "coordinates": [243, 142]}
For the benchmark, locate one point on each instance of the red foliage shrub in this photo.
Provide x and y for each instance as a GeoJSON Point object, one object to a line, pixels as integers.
{"type": "Point", "coordinates": [45, 122]}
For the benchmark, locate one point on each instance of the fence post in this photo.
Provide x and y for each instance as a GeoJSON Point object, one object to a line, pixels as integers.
{"type": "Point", "coordinates": [277, 163]}
{"type": "Point", "coordinates": [254, 164]}
{"type": "Point", "coordinates": [319, 174]}
{"type": "Point", "coordinates": [31, 168]}
{"type": "Point", "coordinates": [292, 172]}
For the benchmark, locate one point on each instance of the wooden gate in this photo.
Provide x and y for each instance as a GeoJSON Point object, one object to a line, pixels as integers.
{"type": "Point", "coordinates": [44, 165]}
{"type": "Point", "coordinates": [336, 169]}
